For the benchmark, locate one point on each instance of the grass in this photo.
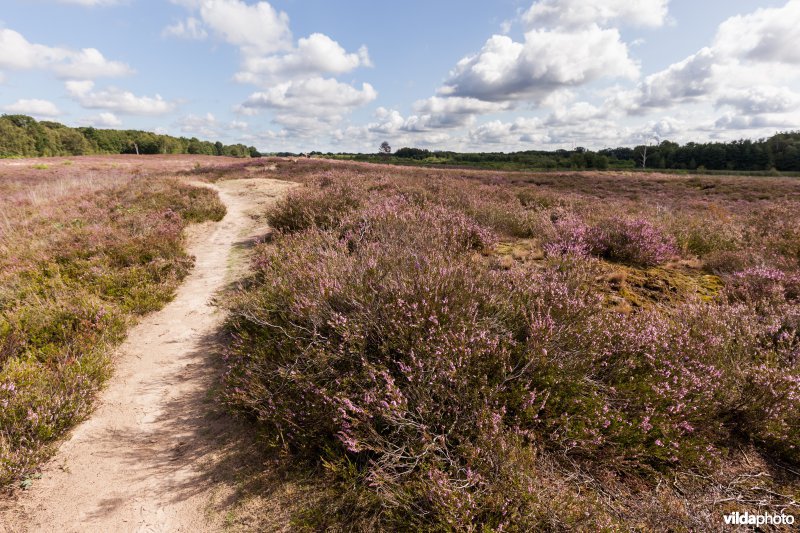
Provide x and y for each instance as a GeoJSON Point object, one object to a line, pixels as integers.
{"type": "Point", "coordinates": [82, 254]}
{"type": "Point", "coordinates": [463, 350]}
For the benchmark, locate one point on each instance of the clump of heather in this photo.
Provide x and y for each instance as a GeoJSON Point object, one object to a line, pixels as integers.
{"type": "Point", "coordinates": [763, 285]}
{"type": "Point", "coordinates": [322, 207]}
{"type": "Point", "coordinates": [636, 241]}
{"type": "Point", "coordinates": [78, 261]}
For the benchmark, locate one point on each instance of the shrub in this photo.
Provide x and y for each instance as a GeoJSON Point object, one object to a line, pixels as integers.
{"type": "Point", "coordinates": [436, 392]}
{"type": "Point", "coordinates": [632, 240]}
{"type": "Point", "coordinates": [318, 207]}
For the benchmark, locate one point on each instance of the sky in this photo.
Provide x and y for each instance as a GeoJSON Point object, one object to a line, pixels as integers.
{"type": "Point", "coordinates": [466, 75]}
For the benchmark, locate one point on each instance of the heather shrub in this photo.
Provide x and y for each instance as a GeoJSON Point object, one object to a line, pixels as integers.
{"type": "Point", "coordinates": [632, 240]}
{"type": "Point", "coordinates": [323, 207]}
{"type": "Point", "coordinates": [571, 236]}
{"type": "Point", "coordinates": [437, 392]}
{"type": "Point", "coordinates": [758, 285]}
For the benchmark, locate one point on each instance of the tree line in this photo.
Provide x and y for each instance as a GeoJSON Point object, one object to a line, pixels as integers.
{"type": "Point", "coordinates": [23, 136]}
{"type": "Point", "coordinates": [781, 152]}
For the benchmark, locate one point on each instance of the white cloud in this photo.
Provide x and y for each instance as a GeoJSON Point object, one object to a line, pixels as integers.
{"type": "Point", "coordinates": [34, 107]}
{"type": "Point", "coordinates": [766, 35]}
{"type": "Point", "coordinates": [117, 100]}
{"type": "Point", "coordinates": [681, 82]}
{"type": "Point", "coordinates": [204, 126]}
{"type": "Point", "coordinates": [312, 97]}
{"type": "Point", "coordinates": [102, 120]}
{"type": "Point", "coordinates": [191, 28]}
{"type": "Point", "coordinates": [16, 53]}
{"type": "Point", "coordinates": [255, 28]}
{"type": "Point", "coordinates": [314, 55]}
{"type": "Point", "coordinates": [735, 121]}
{"type": "Point", "coordinates": [547, 61]}
{"type": "Point", "coordinates": [578, 13]}
{"type": "Point", "coordinates": [449, 112]}
{"type": "Point", "coordinates": [757, 46]}
{"type": "Point", "coordinates": [306, 106]}
{"type": "Point", "coordinates": [761, 99]}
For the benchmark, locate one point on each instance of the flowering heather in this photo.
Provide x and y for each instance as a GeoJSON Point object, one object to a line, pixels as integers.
{"type": "Point", "coordinates": [442, 386]}
{"type": "Point", "coordinates": [81, 254]}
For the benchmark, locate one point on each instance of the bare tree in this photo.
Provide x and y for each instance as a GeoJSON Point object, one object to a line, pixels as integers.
{"type": "Point", "coordinates": [643, 154]}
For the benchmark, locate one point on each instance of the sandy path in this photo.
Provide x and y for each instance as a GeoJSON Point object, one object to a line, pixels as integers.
{"type": "Point", "coordinates": [149, 459]}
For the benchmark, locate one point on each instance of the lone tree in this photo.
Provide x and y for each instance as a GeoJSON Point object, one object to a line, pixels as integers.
{"type": "Point", "coordinates": [385, 149]}
{"type": "Point", "coordinates": [643, 153]}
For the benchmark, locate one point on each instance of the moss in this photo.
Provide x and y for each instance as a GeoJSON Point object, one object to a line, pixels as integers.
{"type": "Point", "coordinates": [642, 288]}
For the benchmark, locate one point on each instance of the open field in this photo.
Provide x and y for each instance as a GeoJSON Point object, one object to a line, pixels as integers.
{"type": "Point", "coordinates": [468, 350]}
{"type": "Point", "coordinates": [415, 349]}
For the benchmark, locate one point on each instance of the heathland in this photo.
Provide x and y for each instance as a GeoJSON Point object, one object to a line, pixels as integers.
{"type": "Point", "coordinates": [425, 349]}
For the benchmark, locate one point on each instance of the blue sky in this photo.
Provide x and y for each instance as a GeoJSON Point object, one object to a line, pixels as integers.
{"type": "Point", "coordinates": [467, 75]}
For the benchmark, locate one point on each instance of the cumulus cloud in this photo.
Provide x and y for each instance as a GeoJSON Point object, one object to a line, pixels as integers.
{"type": "Point", "coordinates": [257, 29]}
{"type": "Point", "coordinates": [17, 53]}
{"type": "Point", "coordinates": [117, 100]}
{"type": "Point", "coordinates": [309, 103]}
{"type": "Point", "coordinates": [314, 55]}
{"type": "Point", "coordinates": [102, 120]}
{"type": "Point", "coordinates": [577, 13]}
{"type": "Point", "coordinates": [34, 107]}
{"type": "Point", "coordinates": [299, 82]}
{"type": "Point", "coordinates": [766, 35]}
{"type": "Point", "coordinates": [755, 46]}
{"type": "Point", "coordinates": [761, 99]}
{"type": "Point", "coordinates": [545, 62]}
{"type": "Point", "coordinates": [768, 121]}
{"type": "Point", "coordinates": [434, 113]}
{"type": "Point", "coordinates": [681, 82]}
{"type": "Point", "coordinates": [204, 126]}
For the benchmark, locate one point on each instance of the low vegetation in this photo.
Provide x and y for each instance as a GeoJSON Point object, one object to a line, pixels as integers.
{"type": "Point", "coordinates": [474, 351]}
{"type": "Point", "coordinates": [81, 257]}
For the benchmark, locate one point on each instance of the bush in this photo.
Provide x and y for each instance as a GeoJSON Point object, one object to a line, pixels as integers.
{"type": "Point", "coordinates": [437, 392]}
{"type": "Point", "coordinates": [632, 240]}
{"type": "Point", "coordinates": [318, 207]}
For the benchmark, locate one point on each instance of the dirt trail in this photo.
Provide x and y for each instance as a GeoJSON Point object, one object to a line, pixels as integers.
{"type": "Point", "coordinates": [151, 458]}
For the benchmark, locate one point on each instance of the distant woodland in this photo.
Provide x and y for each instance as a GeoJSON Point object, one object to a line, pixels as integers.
{"type": "Point", "coordinates": [23, 136]}
{"type": "Point", "coordinates": [779, 153]}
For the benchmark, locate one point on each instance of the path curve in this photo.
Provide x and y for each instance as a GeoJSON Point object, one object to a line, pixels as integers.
{"type": "Point", "coordinates": [147, 459]}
